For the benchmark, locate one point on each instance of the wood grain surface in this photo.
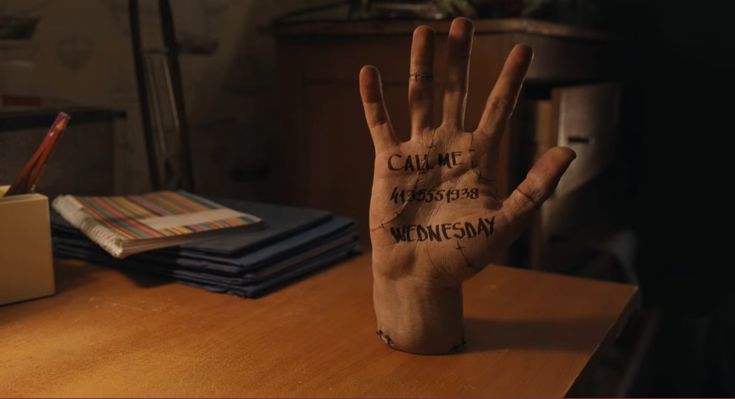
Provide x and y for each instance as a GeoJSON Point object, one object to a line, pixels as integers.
{"type": "Point", "coordinates": [109, 333]}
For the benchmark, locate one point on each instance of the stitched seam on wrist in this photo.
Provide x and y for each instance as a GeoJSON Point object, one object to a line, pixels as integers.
{"type": "Point", "coordinates": [459, 347]}
{"type": "Point", "coordinates": [384, 337]}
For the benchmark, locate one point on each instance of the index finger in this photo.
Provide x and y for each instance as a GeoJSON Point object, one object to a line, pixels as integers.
{"type": "Point", "coordinates": [503, 97]}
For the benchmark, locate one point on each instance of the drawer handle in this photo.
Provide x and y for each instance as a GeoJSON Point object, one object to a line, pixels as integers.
{"type": "Point", "coordinates": [579, 139]}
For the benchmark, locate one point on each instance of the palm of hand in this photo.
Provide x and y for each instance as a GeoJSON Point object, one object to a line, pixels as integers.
{"type": "Point", "coordinates": [434, 213]}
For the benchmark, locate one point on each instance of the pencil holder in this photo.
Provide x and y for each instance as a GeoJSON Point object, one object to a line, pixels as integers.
{"type": "Point", "coordinates": [26, 262]}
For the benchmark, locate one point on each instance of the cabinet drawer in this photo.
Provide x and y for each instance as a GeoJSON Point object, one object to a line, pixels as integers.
{"type": "Point", "coordinates": [566, 227]}
{"type": "Point", "coordinates": [583, 118]}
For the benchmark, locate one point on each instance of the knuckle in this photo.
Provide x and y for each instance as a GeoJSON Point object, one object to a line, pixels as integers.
{"type": "Point", "coordinates": [456, 86]}
{"type": "Point", "coordinates": [499, 106]}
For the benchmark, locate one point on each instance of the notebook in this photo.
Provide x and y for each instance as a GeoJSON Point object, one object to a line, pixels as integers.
{"type": "Point", "coordinates": [282, 221]}
{"type": "Point", "coordinates": [251, 289]}
{"type": "Point", "coordinates": [280, 224]}
{"type": "Point", "coordinates": [258, 270]}
{"type": "Point", "coordinates": [126, 225]}
{"type": "Point", "coordinates": [204, 276]}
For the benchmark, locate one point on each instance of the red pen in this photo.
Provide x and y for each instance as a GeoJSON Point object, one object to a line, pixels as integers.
{"type": "Point", "coordinates": [31, 173]}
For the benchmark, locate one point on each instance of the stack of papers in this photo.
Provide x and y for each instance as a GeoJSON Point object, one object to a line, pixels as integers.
{"type": "Point", "coordinates": [126, 225]}
{"type": "Point", "coordinates": [292, 243]}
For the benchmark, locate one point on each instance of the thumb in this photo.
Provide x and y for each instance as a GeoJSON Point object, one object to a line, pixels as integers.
{"type": "Point", "coordinates": [537, 187]}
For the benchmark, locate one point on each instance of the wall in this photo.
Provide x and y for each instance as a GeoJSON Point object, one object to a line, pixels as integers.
{"type": "Point", "coordinates": [80, 53]}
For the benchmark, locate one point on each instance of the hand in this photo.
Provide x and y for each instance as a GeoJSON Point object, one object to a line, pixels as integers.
{"type": "Point", "coordinates": [435, 215]}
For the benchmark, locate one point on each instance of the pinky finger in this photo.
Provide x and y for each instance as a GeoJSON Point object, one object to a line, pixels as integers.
{"type": "Point", "coordinates": [371, 91]}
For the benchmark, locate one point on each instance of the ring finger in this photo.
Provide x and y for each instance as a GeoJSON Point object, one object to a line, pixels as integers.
{"type": "Point", "coordinates": [420, 80]}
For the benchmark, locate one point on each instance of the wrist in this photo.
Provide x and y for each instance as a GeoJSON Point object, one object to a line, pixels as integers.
{"type": "Point", "coordinates": [418, 317]}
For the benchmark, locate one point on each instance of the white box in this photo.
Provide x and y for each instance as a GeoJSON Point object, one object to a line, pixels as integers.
{"type": "Point", "coordinates": [26, 261]}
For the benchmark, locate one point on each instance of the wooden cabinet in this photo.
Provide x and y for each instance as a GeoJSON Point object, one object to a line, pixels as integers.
{"type": "Point", "coordinates": [325, 156]}
{"type": "Point", "coordinates": [584, 118]}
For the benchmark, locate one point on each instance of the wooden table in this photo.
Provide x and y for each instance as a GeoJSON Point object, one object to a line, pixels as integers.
{"type": "Point", "coordinates": [107, 333]}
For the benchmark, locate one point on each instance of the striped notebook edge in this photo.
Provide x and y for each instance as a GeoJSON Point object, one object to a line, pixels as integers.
{"type": "Point", "coordinates": [124, 225]}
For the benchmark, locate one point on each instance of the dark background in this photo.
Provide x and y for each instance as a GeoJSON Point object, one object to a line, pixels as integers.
{"type": "Point", "coordinates": [677, 70]}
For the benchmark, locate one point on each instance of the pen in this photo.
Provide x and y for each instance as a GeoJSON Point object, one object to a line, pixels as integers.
{"type": "Point", "coordinates": [31, 173]}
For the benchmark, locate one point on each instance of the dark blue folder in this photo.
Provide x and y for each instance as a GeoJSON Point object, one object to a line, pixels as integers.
{"type": "Point", "coordinates": [294, 242]}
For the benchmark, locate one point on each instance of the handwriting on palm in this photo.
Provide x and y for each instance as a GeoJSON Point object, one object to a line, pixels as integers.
{"type": "Point", "coordinates": [434, 211]}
